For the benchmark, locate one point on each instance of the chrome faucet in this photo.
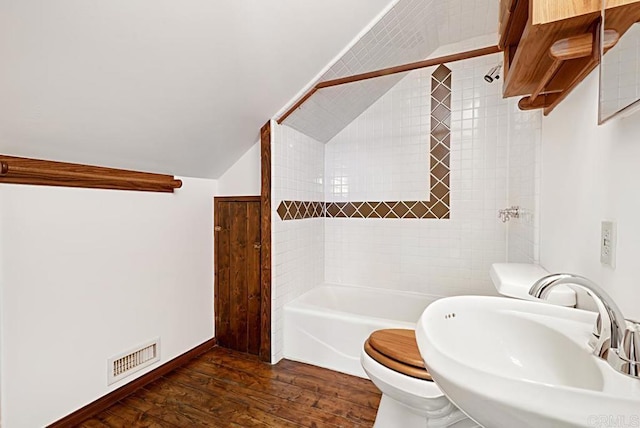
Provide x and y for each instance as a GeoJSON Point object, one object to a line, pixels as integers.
{"type": "Point", "coordinates": [617, 340]}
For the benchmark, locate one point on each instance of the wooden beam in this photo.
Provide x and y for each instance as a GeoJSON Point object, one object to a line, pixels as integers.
{"type": "Point", "coordinates": [265, 244]}
{"type": "Point", "coordinates": [301, 101]}
{"type": "Point", "coordinates": [410, 67]}
{"type": "Point", "coordinates": [16, 170]}
{"type": "Point", "coordinates": [389, 71]}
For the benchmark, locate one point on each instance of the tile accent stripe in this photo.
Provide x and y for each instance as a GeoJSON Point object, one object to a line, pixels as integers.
{"type": "Point", "coordinates": [440, 202]}
{"type": "Point", "coordinates": [437, 207]}
{"type": "Point", "coordinates": [295, 210]}
{"type": "Point", "coordinates": [394, 209]}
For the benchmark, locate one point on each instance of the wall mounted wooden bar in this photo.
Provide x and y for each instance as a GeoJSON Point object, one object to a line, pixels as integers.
{"type": "Point", "coordinates": [389, 71]}
{"type": "Point", "coordinates": [410, 67]}
{"type": "Point", "coordinates": [298, 103]}
{"type": "Point", "coordinates": [16, 170]}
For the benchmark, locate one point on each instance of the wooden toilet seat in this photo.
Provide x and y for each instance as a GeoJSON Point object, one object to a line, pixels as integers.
{"type": "Point", "coordinates": [397, 350]}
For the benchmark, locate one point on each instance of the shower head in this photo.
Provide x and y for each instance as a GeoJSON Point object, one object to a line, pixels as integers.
{"type": "Point", "coordinates": [493, 74]}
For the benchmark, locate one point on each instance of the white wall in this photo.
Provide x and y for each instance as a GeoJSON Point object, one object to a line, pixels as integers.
{"type": "Point", "coordinates": [88, 274]}
{"type": "Point", "coordinates": [243, 178]}
{"type": "Point", "coordinates": [590, 173]}
{"type": "Point", "coordinates": [297, 245]}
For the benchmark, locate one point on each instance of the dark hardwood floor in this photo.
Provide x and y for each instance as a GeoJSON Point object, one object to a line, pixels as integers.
{"type": "Point", "coordinates": [224, 388]}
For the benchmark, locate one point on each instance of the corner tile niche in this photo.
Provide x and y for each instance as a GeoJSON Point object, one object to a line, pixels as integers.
{"type": "Point", "coordinates": [438, 205]}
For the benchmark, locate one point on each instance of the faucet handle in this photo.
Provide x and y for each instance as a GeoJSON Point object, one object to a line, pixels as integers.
{"type": "Point", "coordinates": [597, 332]}
{"type": "Point", "coordinates": [631, 341]}
{"type": "Point", "coordinates": [627, 359]}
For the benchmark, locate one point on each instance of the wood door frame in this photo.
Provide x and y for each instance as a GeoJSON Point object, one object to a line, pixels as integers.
{"type": "Point", "coordinates": [265, 236]}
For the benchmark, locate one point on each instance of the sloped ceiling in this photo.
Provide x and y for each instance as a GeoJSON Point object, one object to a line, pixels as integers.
{"type": "Point", "coordinates": [410, 31]}
{"type": "Point", "coordinates": [174, 86]}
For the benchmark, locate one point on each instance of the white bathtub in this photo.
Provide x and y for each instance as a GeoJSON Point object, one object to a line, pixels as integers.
{"type": "Point", "coordinates": [328, 325]}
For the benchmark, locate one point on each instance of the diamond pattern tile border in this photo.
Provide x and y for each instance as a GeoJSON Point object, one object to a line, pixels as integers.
{"type": "Point", "coordinates": [437, 207]}
{"type": "Point", "coordinates": [296, 210]}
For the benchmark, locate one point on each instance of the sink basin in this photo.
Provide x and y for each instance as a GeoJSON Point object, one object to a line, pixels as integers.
{"type": "Point", "coordinates": [511, 363]}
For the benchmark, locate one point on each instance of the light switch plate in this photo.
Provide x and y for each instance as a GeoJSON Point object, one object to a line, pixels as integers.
{"type": "Point", "coordinates": [608, 244]}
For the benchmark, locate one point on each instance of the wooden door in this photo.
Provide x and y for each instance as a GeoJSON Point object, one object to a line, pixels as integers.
{"type": "Point", "coordinates": [237, 265]}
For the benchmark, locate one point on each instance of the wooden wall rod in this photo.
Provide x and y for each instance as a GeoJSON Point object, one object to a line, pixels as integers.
{"type": "Point", "coordinates": [16, 170]}
{"type": "Point", "coordinates": [411, 66]}
{"type": "Point", "coordinates": [389, 71]}
{"type": "Point", "coordinates": [298, 103]}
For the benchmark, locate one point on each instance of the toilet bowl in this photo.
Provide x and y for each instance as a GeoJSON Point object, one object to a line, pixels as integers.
{"type": "Point", "coordinates": [409, 397]}
{"type": "Point", "coordinates": [393, 363]}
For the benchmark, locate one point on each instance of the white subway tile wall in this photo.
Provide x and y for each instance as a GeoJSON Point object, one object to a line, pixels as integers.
{"type": "Point", "coordinates": [329, 110]}
{"type": "Point", "coordinates": [297, 163]}
{"type": "Point", "coordinates": [411, 31]}
{"type": "Point", "coordinates": [383, 155]}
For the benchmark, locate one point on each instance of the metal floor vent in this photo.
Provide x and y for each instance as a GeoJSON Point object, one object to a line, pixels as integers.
{"type": "Point", "coordinates": [130, 362]}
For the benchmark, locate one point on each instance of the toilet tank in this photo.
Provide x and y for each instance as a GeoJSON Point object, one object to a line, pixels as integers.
{"type": "Point", "coordinates": [515, 280]}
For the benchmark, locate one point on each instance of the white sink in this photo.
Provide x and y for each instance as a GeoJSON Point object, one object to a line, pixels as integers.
{"type": "Point", "coordinates": [511, 363]}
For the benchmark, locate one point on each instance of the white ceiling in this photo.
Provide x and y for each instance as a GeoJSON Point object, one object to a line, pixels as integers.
{"type": "Point", "coordinates": [174, 86]}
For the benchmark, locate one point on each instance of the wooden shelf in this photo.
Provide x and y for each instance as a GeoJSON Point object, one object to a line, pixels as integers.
{"type": "Point", "coordinates": [530, 28]}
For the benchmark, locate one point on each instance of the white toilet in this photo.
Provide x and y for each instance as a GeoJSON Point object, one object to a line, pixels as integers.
{"type": "Point", "coordinates": [393, 363]}
{"type": "Point", "coordinates": [409, 397]}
